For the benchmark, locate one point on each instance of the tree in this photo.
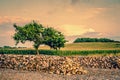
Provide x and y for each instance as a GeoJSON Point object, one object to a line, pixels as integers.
{"type": "Point", "coordinates": [54, 38]}
{"type": "Point", "coordinates": [93, 40]}
{"type": "Point", "coordinates": [7, 47]}
{"type": "Point", "coordinates": [30, 32]}
{"type": "Point", "coordinates": [38, 34]}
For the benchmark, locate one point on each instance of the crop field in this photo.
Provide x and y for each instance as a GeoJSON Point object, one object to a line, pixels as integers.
{"type": "Point", "coordinates": [91, 48]}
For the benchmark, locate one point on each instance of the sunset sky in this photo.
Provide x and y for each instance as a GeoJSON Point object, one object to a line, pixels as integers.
{"type": "Point", "coordinates": [82, 18]}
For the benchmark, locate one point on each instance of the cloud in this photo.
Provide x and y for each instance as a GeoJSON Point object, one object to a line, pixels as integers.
{"type": "Point", "coordinates": [83, 13]}
{"type": "Point", "coordinates": [73, 2]}
{"type": "Point", "coordinates": [117, 38]}
{"type": "Point", "coordinates": [7, 30]}
{"type": "Point", "coordinates": [93, 12]}
{"type": "Point", "coordinates": [95, 3]}
{"type": "Point", "coordinates": [92, 34]}
{"type": "Point", "coordinates": [13, 19]}
{"type": "Point", "coordinates": [6, 33]}
{"type": "Point", "coordinates": [70, 30]}
{"type": "Point", "coordinates": [6, 40]}
{"type": "Point", "coordinates": [87, 34]}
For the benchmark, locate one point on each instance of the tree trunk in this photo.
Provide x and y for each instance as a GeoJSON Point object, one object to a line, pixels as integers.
{"type": "Point", "coordinates": [37, 51]}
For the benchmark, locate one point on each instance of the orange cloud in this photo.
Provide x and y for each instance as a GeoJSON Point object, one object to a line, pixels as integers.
{"type": "Point", "coordinates": [92, 12]}
{"type": "Point", "coordinates": [13, 19]}
{"type": "Point", "coordinates": [74, 29]}
{"type": "Point", "coordinates": [82, 13]}
{"type": "Point", "coordinates": [7, 33]}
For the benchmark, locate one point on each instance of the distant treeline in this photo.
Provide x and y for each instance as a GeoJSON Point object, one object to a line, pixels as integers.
{"type": "Point", "coordinates": [9, 47]}
{"type": "Point", "coordinates": [93, 40]}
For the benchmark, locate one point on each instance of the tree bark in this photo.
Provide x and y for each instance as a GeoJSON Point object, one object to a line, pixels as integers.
{"type": "Point", "coordinates": [37, 51]}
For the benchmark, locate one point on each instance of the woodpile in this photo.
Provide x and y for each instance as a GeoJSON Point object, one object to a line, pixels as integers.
{"type": "Point", "coordinates": [51, 64]}
{"type": "Point", "coordinates": [57, 64]}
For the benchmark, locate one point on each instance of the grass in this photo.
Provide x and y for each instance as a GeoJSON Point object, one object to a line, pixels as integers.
{"type": "Point", "coordinates": [83, 49]}
{"type": "Point", "coordinates": [89, 46]}
{"type": "Point", "coordinates": [93, 46]}
{"type": "Point", "coordinates": [82, 53]}
{"type": "Point", "coordinates": [62, 52]}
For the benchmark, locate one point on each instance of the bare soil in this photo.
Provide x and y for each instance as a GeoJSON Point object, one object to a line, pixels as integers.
{"type": "Point", "coordinates": [93, 74]}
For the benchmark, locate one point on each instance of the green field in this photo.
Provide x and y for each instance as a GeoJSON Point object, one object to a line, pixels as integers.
{"type": "Point", "coordinates": [83, 49]}
{"type": "Point", "coordinates": [89, 46]}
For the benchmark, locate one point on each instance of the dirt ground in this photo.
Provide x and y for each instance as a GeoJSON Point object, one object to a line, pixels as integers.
{"type": "Point", "coordinates": [93, 74]}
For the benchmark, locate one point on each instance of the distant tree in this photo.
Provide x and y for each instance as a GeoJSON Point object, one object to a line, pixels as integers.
{"type": "Point", "coordinates": [54, 38]}
{"type": "Point", "coordinates": [30, 32]}
{"type": "Point", "coordinates": [7, 47]}
{"type": "Point", "coordinates": [93, 40]}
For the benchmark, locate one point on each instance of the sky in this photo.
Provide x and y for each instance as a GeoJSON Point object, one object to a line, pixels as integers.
{"type": "Point", "coordinates": [81, 18]}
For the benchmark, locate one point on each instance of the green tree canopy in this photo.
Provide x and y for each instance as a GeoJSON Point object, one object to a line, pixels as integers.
{"type": "Point", "coordinates": [93, 40]}
{"type": "Point", "coordinates": [30, 32]}
{"type": "Point", "coordinates": [54, 38]}
{"type": "Point", "coordinates": [38, 34]}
